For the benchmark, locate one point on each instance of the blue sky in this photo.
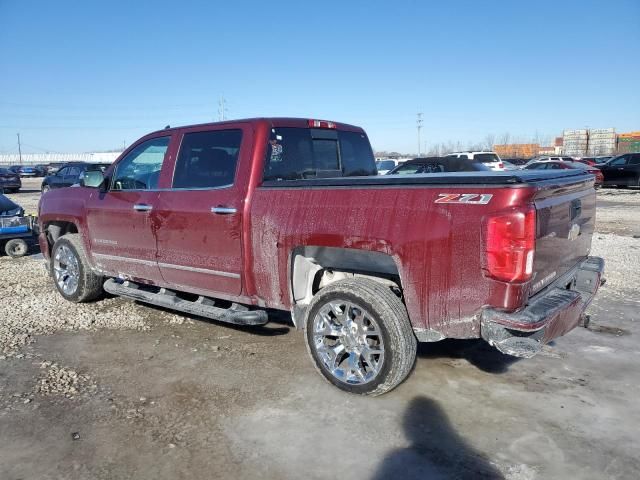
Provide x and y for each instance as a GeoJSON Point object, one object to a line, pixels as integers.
{"type": "Point", "coordinates": [83, 76]}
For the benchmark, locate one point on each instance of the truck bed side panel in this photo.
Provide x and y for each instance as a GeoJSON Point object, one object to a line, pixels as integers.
{"type": "Point", "coordinates": [436, 247]}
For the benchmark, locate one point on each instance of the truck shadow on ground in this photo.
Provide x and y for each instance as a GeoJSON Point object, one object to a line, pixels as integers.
{"type": "Point", "coordinates": [436, 451]}
{"type": "Point", "coordinates": [477, 352]}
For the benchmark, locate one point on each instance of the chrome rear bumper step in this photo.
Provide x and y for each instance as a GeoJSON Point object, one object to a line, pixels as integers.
{"type": "Point", "coordinates": [203, 306]}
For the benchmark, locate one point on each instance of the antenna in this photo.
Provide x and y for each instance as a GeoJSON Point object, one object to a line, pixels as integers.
{"type": "Point", "coordinates": [222, 109]}
{"type": "Point", "coordinates": [419, 126]}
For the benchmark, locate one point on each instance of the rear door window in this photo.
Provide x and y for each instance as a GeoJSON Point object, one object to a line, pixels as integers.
{"type": "Point", "coordinates": [635, 159]}
{"type": "Point", "coordinates": [306, 153]}
{"type": "Point", "coordinates": [207, 159]}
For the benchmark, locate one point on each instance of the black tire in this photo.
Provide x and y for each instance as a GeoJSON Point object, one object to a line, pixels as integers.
{"type": "Point", "coordinates": [45, 188]}
{"type": "Point", "coordinates": [390, 314]}
{"type": "Point", "coordinates": [89, 283]}
{"type": "Point", "coordinates": [16, 248]}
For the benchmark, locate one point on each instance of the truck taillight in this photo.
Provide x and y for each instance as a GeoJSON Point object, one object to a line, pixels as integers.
{"type": "Point", "coordinates": [321, 124]}
{"type": "Point", "coordinates": [511, 244]}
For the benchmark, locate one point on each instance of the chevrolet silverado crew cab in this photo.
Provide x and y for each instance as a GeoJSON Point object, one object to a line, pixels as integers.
{"type": "Point", "coordinates": [227, 220]}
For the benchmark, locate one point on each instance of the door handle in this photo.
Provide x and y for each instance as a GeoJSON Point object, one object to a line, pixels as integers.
{"type": "Point", "coordinates": [142, 207]}
{"type": "Point", "coordinates": [220, 210]}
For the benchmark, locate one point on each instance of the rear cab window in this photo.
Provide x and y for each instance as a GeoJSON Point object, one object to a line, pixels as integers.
{"type": "Point", "coordinates": [295, 153]}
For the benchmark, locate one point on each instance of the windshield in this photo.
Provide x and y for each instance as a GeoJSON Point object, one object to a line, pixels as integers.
{"type": "Point", "coordinates": [486, 157]}
{"type": "Point", "coordinates": [385, 164]}
{"type": "Point", "coordinates": [5, 171]}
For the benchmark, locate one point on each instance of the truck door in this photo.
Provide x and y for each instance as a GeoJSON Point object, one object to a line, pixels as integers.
{"type": "Point", "coordinates": [199, 218]}
{"type": "Point", "coordinates": [120, 220]}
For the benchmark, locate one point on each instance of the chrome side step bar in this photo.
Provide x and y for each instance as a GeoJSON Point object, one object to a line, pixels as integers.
{"type": "Point", "coordinates": [203, 306]}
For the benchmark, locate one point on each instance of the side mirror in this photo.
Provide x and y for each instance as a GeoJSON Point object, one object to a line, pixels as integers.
{"type": "Point", "coordinates": [92, 179]}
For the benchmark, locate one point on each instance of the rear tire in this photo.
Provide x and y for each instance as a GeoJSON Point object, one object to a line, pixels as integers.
{"type": "Point", "coordinates": [16, 248]}
{"type": "Point", "coordinates": [370, 360]}
{"type": "Point", "coordinates": [45, 188]}
{"type": "Point", "coordinates": [71, 271]}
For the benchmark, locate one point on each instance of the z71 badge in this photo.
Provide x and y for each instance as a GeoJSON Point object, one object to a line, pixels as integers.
{"type": "Point", "coordinates": [465, 198]}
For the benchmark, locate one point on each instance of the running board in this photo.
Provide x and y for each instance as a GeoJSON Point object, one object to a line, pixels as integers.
{"type": "Point", "coordinates": [203, 306]}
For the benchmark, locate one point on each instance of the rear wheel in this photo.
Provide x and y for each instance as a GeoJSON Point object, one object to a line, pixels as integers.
{"type": "Point", "coordinates": [71, 271]}
{"type": "Point", "coordinates": [359, 336]}
{"type": "Point", "coordinates": [45, 188]}
{"type": "Point", "coordinates": [16, 248]}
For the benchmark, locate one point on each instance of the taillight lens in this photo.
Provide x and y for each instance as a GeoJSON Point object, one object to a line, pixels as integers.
{"type": "Point", "coordinates": [510, 245]}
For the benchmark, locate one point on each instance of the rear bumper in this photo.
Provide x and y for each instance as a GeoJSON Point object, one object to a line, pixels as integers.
{"type": "Point", "coordinates": [549, 314]}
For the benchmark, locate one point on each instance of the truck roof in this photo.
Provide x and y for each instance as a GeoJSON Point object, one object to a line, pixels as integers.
{"type": "Point", "coordinates": [295, 122]}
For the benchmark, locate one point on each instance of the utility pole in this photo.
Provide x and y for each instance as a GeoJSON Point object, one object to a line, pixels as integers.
{"type": "Point", "coordinates": [19, 148]}
{"type": "Point", "coordinates": [222, 109]}
{"type": "Point", "coordinates": [419, 126]}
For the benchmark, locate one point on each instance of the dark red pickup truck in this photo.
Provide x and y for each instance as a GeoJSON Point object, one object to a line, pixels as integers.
{"type": "Point", "coordinates": [225, 220]}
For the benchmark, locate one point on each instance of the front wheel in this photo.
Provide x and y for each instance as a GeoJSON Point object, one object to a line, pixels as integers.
{"type": "Point", "coordinates": [71, 271]}
{"type": "Point", "coordinates": [45, 188]}
{"type": "Point", "coordinates": [359, 336]}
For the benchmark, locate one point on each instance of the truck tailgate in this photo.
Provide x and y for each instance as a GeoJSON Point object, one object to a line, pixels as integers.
{"type": "Point", "coordinates": [565, 217]}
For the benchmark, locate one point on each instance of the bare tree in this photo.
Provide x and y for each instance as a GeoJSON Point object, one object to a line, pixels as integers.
{"type": "Point", "coordinates": [505, 138]}
{"type": "Point", "coordinates": [489, 141]}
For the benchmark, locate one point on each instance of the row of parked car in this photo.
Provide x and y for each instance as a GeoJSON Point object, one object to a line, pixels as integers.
{"type": "Point", "coordinates": [621, 171]}
{"type": "Point", "coordinates": [57, 175]}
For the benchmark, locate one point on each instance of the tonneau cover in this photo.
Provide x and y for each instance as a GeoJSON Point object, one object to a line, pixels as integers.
{"type": "Point", "coordinates": [462, 178]}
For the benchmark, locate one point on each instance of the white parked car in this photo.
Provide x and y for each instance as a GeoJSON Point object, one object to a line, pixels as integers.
{"type": "Point", "coordinates": [490, 159]}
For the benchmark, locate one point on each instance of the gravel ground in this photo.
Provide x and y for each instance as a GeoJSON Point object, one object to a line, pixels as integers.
{"type": "Point", "coordinates": [114, 389]}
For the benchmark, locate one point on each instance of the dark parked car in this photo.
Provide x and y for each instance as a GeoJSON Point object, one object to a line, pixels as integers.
{"type": "Point", "coordinates": [53, 167]}
{"type": "Point", "coordinates": [70, 174]}
{"type": "Point", "coordinates": [9, 181]}
{"type": "Point", "coordinates": [8, 208]}
{"type": "Point", "coordinates": [561, 165]}
{"type": "Point", "coordinates": [41, 170]}
{"type": "Point", "coordinates": [622, 171]}
{"type": "Point", "coordinates": [439, 165]}
{"type": "Point", "coordinates": [27, 171]}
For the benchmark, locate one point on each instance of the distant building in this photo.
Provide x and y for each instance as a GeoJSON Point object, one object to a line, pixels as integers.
{"type": "Point", "coordinates": [550, 150]}
{"type": "Point", "coordinates": [517, 150]}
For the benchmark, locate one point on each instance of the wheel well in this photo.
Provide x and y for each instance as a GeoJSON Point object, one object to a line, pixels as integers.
{"type": "Point", "coordinates": [57, 229]}
{"type": "Point", "coordinates": [313, 268]}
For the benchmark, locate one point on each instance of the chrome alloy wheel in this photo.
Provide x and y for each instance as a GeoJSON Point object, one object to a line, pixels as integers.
{"type": "Point", "coordinates": [66, 270]}
{"type": "Point", "coordinates": [348, 341]}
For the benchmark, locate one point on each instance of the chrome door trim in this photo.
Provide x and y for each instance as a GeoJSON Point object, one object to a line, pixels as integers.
{"type": "Point", "coordinates": [117, 258]}
{"type": "Point", "coordinates": [199, 270]}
